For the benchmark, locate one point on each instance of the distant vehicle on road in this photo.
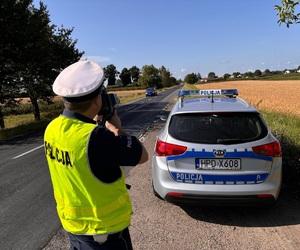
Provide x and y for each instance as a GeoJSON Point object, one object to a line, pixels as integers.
{"type": "Point", "coordinates": [151, 92]}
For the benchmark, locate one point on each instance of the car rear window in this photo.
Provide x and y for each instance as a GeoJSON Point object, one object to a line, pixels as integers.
{"type": "Point", "coordinates": [218, 128]}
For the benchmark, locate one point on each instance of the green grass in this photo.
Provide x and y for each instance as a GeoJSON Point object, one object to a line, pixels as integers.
{"type": "Point", "coordinates": [20, 120]}
{"type": "Point", "coordinates": [189, 86]}
{"type": "Point", "coordinates": [286, 128]}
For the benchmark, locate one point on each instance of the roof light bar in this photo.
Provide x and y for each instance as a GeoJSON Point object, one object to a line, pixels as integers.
{"type": "Point", "coordinates": [208, 92]}
{"type": "Point", "coordinates": [230, 92]}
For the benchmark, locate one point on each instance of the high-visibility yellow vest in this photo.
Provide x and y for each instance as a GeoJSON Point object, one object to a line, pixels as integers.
{"type": "Point", "coordinates": [85, 205]}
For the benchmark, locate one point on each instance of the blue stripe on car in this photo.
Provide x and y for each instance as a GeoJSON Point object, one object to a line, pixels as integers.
{"type": "Point", "coordinates": [235, 154]}
{"type": "Point", "coordinates": [219, 179]}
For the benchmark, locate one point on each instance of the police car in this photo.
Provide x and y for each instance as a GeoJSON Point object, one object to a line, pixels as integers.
{"type": "Point", "coordinates": [215, 148]}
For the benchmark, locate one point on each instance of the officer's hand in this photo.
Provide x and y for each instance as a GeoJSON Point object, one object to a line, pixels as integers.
{"type": "Point", "coordinates": [114, 121]}
{"type": "Point", "coordinates": [98, 118]}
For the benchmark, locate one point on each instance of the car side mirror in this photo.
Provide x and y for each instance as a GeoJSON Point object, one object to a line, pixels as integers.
{"type": "Point", "coordinates": [163, 117]}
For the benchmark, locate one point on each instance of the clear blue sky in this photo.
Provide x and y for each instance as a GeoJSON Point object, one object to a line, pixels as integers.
{"type": "Point", "coordinates": [185, 36]}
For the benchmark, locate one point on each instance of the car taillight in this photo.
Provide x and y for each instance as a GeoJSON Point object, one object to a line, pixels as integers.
{"type": "Point", "coordinates": [265, 196]}
{"type": "Point", "coordinates": [168, 149]}
{"type": "Point", "coordinates": [270, 149]}
{"type": "Point", "coordinates": [174, 194]}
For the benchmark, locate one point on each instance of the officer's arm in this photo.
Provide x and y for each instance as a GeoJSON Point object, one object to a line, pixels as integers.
{"type": "Point", "coordinates": [114, 125]}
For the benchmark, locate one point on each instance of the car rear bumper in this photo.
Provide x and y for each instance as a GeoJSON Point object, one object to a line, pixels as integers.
{"type": "Point", "coordinates": [246, 200]}
{"type": "Point", "coordinates": [179, 192]}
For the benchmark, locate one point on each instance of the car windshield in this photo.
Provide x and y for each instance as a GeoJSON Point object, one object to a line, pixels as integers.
{"type": "Point", "coordinates": [218, 128]}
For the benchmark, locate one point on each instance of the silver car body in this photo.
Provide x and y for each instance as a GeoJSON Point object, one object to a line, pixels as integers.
{"type": "Point", "coordinates": [218, 173]}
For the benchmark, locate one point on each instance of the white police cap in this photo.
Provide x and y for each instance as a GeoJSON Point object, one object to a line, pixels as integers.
{"type": "Point", "coordinates": [79, 80]}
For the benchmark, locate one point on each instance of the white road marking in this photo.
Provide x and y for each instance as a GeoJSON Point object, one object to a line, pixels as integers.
{"type": "Point", "coordinates": [28, 152]}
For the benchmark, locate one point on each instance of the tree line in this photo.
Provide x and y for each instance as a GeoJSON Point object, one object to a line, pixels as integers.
{"type": "Point", "coordinates": [194, 78]}
{"type": "Point", "coordinates": [148, 76]}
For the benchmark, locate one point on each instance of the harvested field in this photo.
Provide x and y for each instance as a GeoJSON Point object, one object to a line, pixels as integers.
{"type": "Point", "coordinates": [128, 92]}
{"type": "Point", "coordinates": [276, 96]}
{"type": "Point", "coordinates": [128, 95]}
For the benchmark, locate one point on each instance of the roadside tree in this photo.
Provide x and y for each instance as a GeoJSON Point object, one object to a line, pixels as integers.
{"type": "Point", "coordinates": [110, 72]}
{"type": "Point", "coordinates": [249, 74]}
{"type": "Point", "coordinates": [257, 73]}
{"type": "Point", "coordinates": [125, 76]}
{"type": "Point", "coordinates": [191, 78]}
{"type": "Point", "coordinates": [198, 76]}
{"type": "Point", "coordinates": [286, 12]}
{"type": "Point", "coordinates": [211, 75]}
{"type": "Point", "coordinates": [267, 72]}
{"type": "Point", "coordinates": [32, 52]}
{"type": "Point", "coordinates": [150, 77]}
{"type": "Point", "coordinates": [166, 77]}
{"type": "Point", "coordinates": [135, 73]}
{"type": "Point", "coordinates": [236, 74]}
{"type": "Point", "coordinates": [226, 76]}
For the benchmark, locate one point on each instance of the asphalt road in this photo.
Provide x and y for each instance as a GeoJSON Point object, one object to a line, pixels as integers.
{"type": "Point", "coordinates": [27, 205]}
{"type": "Point", "coordinates": [28, 216]}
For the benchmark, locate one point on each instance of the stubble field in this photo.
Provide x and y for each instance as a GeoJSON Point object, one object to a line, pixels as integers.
{"type": "Point", "coordinates": [276, 96]}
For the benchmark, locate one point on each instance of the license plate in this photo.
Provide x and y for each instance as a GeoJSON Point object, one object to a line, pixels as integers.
{"type": "Point", "coordinates": [221, 164]}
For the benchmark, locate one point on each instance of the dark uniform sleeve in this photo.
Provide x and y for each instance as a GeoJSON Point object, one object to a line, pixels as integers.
{"type": "Point", "coordinates": [107, 152]}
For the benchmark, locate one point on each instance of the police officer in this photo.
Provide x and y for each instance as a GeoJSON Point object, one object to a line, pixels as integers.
{"type": "Point", "coordinates": [84, 160]}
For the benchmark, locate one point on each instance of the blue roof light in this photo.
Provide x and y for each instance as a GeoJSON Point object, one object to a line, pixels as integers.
{"type": "Point", "coordinates": [208, 92]}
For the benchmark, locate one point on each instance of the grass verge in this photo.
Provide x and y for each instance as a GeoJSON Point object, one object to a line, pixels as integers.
{"type": "Point", "coordinates": [21, 120]}
{"type": "Point", "coordinates": [286, 128]}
